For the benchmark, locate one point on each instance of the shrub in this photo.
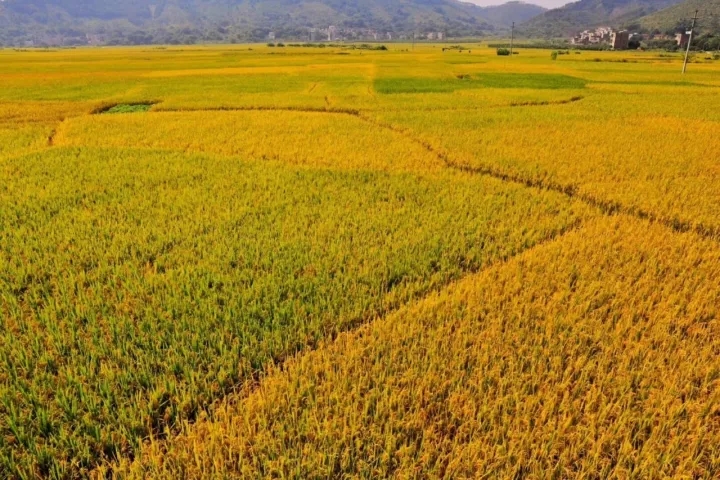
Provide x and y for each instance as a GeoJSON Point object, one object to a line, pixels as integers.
{"type": "Point", "coordinates": [127, 108]}
{"type": "Point", "coordinates": [503, 52]}
{"type": "Point", "coordinates": [554, 55]}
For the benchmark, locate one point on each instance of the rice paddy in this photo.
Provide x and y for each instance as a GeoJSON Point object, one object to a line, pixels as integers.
{"type": "Point", "coordinates": [239, 262]}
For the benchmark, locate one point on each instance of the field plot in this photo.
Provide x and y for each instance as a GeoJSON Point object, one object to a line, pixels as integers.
{"type": "Point", "coordinates": [248, 262]}
{"type": "Point", "coordinates": [593, 356]}
{"type": "Point", "coordinates": [603, 148]}
{"type": "Point", "coordinates": [298, 138]}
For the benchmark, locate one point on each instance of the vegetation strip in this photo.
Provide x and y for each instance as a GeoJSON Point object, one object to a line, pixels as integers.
{"type": "Point", "coordinates": [131, 107]}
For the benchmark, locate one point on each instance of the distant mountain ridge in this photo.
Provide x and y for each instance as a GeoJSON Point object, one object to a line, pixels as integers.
{"type": "Point", "coordinates": [507, 13]}
{"type": "Point", "coordinates": [577, 16]}
{"type": "Point", "coordinates": [245, 20]}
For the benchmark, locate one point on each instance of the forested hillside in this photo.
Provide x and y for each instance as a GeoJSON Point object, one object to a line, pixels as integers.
{"type": "Point", "coordinates": [189, 21]}
{"type": "Point", "coordinates": [584, 14]}
{"type": "Point", "coordinates": [679, 17]}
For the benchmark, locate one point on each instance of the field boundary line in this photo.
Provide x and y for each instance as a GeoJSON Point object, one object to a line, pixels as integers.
{"type": "Point", "coordinates": [51, 137]}
{"type": "Point", "coordinates": [544, 103]}
{"type": "Point", "coordinates": [328, 108]}
{"type": "Point", "coordinates": [54, 132]}
{"type": "Point", "coordinates": [269, 108]}
{"type": "Point", "coordinates": [250, 385]}
{"type": "Point", "coordinates": [607, 207]}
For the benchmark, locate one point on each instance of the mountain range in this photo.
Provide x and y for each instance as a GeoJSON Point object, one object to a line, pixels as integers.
{"type": "Point", "coordinates": [192, 21]}
{"type": "Point", "coordinates": [567, 20]}
{"type": "Point", "coordinates": [246, 20]}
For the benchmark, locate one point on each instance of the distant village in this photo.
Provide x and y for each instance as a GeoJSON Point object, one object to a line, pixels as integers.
{"type": "Point", "coordinates": [623, 39]}
{"type": "Point", "coordinates": [336, 34]}
{"type": "Point", "coordinates": [601, 37]}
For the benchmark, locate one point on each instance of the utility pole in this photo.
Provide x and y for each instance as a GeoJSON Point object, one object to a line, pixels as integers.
{"type": "Point", "coordinates": [687, 52]}
{"type": "Point", "coordinates": [512, 39]}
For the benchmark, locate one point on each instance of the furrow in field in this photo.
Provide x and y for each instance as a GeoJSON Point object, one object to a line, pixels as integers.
{"type": "Point", "coordinates": [545, 103]}
{"type": "Point", "coordinates": [262, 108]}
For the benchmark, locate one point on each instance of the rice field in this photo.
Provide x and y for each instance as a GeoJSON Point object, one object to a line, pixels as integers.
{"type": "Point", "coordinates": [244, 262]}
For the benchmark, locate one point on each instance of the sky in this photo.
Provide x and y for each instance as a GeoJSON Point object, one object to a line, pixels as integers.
{"type": "Point", "coordinates": [543, 3]}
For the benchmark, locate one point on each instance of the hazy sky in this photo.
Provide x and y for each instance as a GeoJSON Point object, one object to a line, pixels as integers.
{"type": "Point", "coordinates": [544, 3]}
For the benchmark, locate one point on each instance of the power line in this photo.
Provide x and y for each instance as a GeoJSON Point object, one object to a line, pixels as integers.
{"type": "Point", "coordinates": [512, 39]}
{"type": "Point", "coordinates": [691, 33]}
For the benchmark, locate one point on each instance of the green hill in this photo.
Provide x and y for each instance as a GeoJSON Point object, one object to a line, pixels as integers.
{"type": "Point", "coordinates": [679, 17]}
{"type": "Point", "coordinates": [575, 17]}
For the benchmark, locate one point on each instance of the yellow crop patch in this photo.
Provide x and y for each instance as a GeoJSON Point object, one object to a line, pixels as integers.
{"type": "Point", "coordinates": [317, 139]}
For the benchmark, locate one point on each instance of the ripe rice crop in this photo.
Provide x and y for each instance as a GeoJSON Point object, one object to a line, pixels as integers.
{"type": "Point", "coordinates": [593, 356]}
{"type": "Point", "coordinates": [139, 286]}
{"type": "Point", "coordinates": [251, 278]}
{"type": "Point", "coordinates": [608, 148]}
{"type": "Point", "coordinates": [299, 138]}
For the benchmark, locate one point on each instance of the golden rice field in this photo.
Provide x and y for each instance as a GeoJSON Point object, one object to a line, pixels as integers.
{"type": "Point", "coordinates": [252, 262]}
